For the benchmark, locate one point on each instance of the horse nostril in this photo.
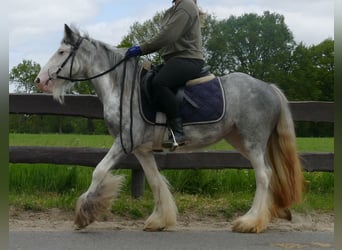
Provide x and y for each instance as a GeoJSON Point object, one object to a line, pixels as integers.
{"type": "Point", "coordinates": [37, 80]}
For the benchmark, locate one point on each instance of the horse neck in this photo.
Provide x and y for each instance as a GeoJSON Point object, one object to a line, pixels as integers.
{"type": "Point", "coordinates": [109, 87]}
{"type": "Point", "coordinates": [105, 57]}
{"type": "Point", "coordinates": [111, 84]}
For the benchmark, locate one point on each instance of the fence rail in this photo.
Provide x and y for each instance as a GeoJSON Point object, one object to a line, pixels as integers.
{"type": "Point", "coordinates": [317, 161]}
{"type": "Point", "coordinates": [90, 107]}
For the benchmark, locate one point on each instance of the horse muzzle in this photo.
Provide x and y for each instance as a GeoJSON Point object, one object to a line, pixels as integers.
{"type": "Point", "coordinates": [44, 86]}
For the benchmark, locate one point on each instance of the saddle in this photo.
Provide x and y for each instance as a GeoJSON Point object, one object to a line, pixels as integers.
{"type": "Point", "coordinates": [201, 101]}
{"type": "Point", "coordinates": [148, 73]}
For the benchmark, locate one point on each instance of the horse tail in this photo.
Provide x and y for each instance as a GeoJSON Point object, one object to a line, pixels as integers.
{"type": "Point", "coordinates": [287, 177]}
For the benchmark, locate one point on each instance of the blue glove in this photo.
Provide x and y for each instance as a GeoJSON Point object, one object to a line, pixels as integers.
{"type": "Point", "coordinates": [133, 51]}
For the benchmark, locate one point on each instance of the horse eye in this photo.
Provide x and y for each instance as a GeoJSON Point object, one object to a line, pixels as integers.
{"type": "Point", "coordinates": [61, 52]}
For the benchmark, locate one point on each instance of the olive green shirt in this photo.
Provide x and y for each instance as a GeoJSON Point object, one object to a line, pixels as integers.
{"type": "Point", "coordinates": [180, 34]}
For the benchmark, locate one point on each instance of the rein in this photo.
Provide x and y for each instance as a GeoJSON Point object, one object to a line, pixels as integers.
{"type": "Point", "coordinates": [123, 60]}
{"type": "Point", "coordinates": [130, 109]}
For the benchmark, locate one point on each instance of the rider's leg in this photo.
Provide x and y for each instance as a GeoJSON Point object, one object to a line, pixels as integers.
{"type": "Point", "coordinates": [174, 74]}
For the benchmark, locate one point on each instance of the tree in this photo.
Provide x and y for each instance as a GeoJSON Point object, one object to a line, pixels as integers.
{"type": "Point", "coordinates": [140, 33]}
{"type": "Point", "coordinates": [257, 45]}
{"type": "Point", "coordinates": [84, 88]}
{"type": "Point", "coordinates": [207, 30]}
{"type": "Point", "coordinates": [23, 76]}
{"type": "Point", "coordinates": [311, 75]}
{"type": "Point", "coordinates": [324, 68]}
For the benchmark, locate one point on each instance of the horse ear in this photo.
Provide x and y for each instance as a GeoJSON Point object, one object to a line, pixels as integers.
{"type": "Point", "coordinates": [68, 33]}
{"type": "Point", "coordinates": [70, 37]}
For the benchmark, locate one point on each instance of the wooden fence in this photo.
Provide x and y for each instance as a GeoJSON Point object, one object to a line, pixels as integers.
{"type": "Point", "coordinates": [90, 107]}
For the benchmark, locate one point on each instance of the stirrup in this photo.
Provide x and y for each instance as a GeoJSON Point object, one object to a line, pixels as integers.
{"type": "Point", "coordinates": [175, 143]}
{"type": "Point", "coordinates": [172, 143]}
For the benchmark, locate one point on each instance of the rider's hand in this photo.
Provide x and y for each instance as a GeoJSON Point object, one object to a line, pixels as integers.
{"type": "Point", "coordinates": [133, 51]}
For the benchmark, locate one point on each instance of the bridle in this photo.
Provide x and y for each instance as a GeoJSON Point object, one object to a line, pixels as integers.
{"type": "Point", "coordinates": [72, 55]}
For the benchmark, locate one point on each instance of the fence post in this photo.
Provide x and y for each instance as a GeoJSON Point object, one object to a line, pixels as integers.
{"type": "Point", "coordinates": [138, 183]}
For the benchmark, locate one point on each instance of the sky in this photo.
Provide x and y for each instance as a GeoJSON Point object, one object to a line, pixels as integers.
{"type": "Point", "coordinates": [36, 26]}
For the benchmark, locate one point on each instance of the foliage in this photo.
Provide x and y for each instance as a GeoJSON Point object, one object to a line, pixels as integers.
{"type": "Point", "coordinates": [23, 76]}
{"type": "Point", "coordinates": [84, 88]}
{"type": "Point", "coordinates": [256, 45]}
{"type": "Point", "coordinates": [55, 124]}
{"type": "Point", "coordinates": [140, 33]}
{"type": "Point", "coordinates": [311, 75]}
{"type": "Point", "coordinates": [324, 68]}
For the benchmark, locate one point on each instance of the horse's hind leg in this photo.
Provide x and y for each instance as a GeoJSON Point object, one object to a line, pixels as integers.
{"type": "Point", "coordinates": [257, 218]}
{"type": "Point", "coordinates": [165, 210]}
{"type": "Point", "coordinates": [234, 139]}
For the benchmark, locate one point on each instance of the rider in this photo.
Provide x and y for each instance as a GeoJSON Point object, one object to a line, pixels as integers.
{"type": "Point", "coordinates": [180, 43]}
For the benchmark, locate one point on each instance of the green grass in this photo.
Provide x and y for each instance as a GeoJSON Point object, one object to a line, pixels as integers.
{"type": "Point", "coordinates": [208, 192]}
{"type": "Point", "coordinates": [105, 141]}
{"type": "Point", "coordinates": [303, 145]}
{"type": "Point", "coordinates": [67, 140]}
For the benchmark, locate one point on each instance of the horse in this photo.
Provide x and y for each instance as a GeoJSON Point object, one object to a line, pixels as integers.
{"type": "Point", "coordinates": [257, 122]}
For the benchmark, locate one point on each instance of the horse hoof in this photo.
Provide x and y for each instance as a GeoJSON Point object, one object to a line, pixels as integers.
{"type": "Point", "coordinates": [82, 222]}
{"type": "Point", "coordinates": [283, 213]}
{"type": "Point", "coordinates": [153, 226]}
{"type": "Point", "coordinates": [79, 227]}
{"type": "Point", "coordinates": [286, 214]}
{"type": "Point", "coordinates": [149, 229]}
{"type": "Point", "coordinates": [242, 225]}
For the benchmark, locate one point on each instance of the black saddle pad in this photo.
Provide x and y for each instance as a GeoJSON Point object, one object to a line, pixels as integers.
{"type": "Point", "coordinates": [209, 103]}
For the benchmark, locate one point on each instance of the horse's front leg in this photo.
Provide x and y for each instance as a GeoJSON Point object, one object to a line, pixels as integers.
{"type": "Point", "coordinates": [103, 189]}
{"type": "Point", "coordinates": [165, 211]}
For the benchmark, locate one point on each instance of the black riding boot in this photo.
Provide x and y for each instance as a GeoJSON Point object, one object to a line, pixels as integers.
{"type": "Point", "coordinates": [176, 125]}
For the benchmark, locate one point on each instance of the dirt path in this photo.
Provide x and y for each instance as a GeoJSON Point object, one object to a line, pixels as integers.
{"type": "Point", "coordinates": [58, 220]}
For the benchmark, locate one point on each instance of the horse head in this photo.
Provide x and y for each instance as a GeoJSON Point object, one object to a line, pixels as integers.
{"type": "Point", "coordinates": [63, 64]}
